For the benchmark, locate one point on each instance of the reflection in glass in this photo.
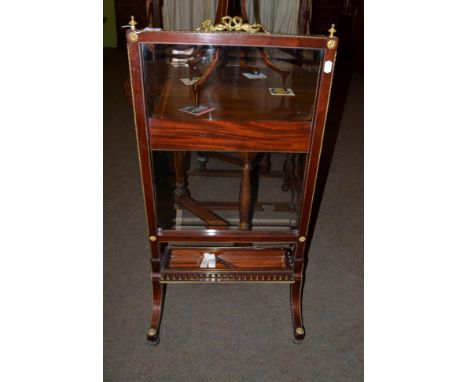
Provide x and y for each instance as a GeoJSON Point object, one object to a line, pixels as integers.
{"type": "Point", "coordinates": [233, 82]}
{"type": "Point", "coordinates": [278, 16]}
{"type": "Point", "coordinates": [202, 190]}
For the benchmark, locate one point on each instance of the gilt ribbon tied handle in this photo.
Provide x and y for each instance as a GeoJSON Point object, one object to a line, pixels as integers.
{"type": "Point", "coordinates": [231, 24]}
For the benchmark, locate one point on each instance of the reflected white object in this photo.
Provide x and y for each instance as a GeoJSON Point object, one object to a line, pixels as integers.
{"type": "Point", "coordinates": [185, 52]}
{"type": "Point", "coordinates": [209, 260]}
{"type": "Point", "coordinates": [327, 67]}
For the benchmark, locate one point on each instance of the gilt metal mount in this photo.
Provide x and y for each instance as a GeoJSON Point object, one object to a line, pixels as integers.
{"type": "Point", "coordinates": [133, 37]}
{"type": "Point", "coordinates": [300, 330]}
{"type": "Point", "coordinates": [231, 24]}
{"type": "Point", "coordinates": [152, 332]}
{"type": "Point", "coordinates": [132, 22]}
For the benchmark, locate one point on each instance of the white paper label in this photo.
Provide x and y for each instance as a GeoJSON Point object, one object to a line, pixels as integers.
{"type": "Point", "coordinates": [252, 76]}
{"type": "Point", "coordinates": [327, 68]}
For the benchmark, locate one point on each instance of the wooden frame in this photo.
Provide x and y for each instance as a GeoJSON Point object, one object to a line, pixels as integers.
{"type": "Point", "coordinates": [270, 134]}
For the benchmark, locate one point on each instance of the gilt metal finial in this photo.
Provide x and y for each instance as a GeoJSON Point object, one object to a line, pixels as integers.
{"type": "Point", "coordinates": [332, 30]}
{"type": "Point", "coordinates": [132, 22]}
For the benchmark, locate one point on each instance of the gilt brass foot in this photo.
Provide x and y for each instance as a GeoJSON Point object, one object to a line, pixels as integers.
{"type": "Point", "coordinates": [153, 336]}
{"type": "Point", "coordinates": [299, 334]}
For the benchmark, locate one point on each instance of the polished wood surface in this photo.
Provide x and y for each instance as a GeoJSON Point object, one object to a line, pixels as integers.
{"type": "Point", "coordinates": [229, 258]}
{"type": "Point", "coordinates": [230, 236]}
{"type": "Point", "coordinates": [249, 136]}
{"type": "Point", "coordinates": [280, 125]}
{"type": "Point", "coordinates": [231, 265]}
{"type": "Point", "coordinates": [233, 39]}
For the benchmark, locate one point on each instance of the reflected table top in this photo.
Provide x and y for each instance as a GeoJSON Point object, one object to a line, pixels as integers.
{"type": "Point", "coordinates": [229, 91]}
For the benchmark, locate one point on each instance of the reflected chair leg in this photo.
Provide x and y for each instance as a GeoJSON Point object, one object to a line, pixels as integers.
{"type": "Point", "coordinates": [244, 65]}
{"type": "Point", "coordinates": [294, 183]}
{"type": "Point", "coordinates": [198, 86]}
{"type": "Point", "coordinates": [298, 175]}
{"type": "Point", "coordinates": [292, 179]}
{"type": "Point", "coordinates": [202, 159]}
{"type": "Point", "coordinates": [264, 164]}
{"type": "Point", "coordinates": [284, 73]}
{"type": "Point", "coordinates": [158, 300]}
{"type": "Point", "coordinates": [192, 64]}
{"type": "Point", "coordinates": [245, 192]}
{"type": "Point", "coordinates": [296, 310]}
{"type": "Point", "coordinates": [181, 176]}
{"type": "Point", "coordinates": [288, 172]}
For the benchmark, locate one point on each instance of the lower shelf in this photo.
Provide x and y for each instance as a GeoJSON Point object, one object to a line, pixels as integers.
{"type": "Point", "coordinates": [227, 264]}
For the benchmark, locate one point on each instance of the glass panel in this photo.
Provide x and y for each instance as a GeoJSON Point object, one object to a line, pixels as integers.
{"type": "Point", "coordinates": [221, 190]}
{"type": "Point", "coordinates": [230, 82]}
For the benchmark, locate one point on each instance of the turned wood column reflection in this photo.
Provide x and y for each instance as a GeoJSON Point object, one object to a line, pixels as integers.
{"type": "Point", "coordinates": [245, 192]}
